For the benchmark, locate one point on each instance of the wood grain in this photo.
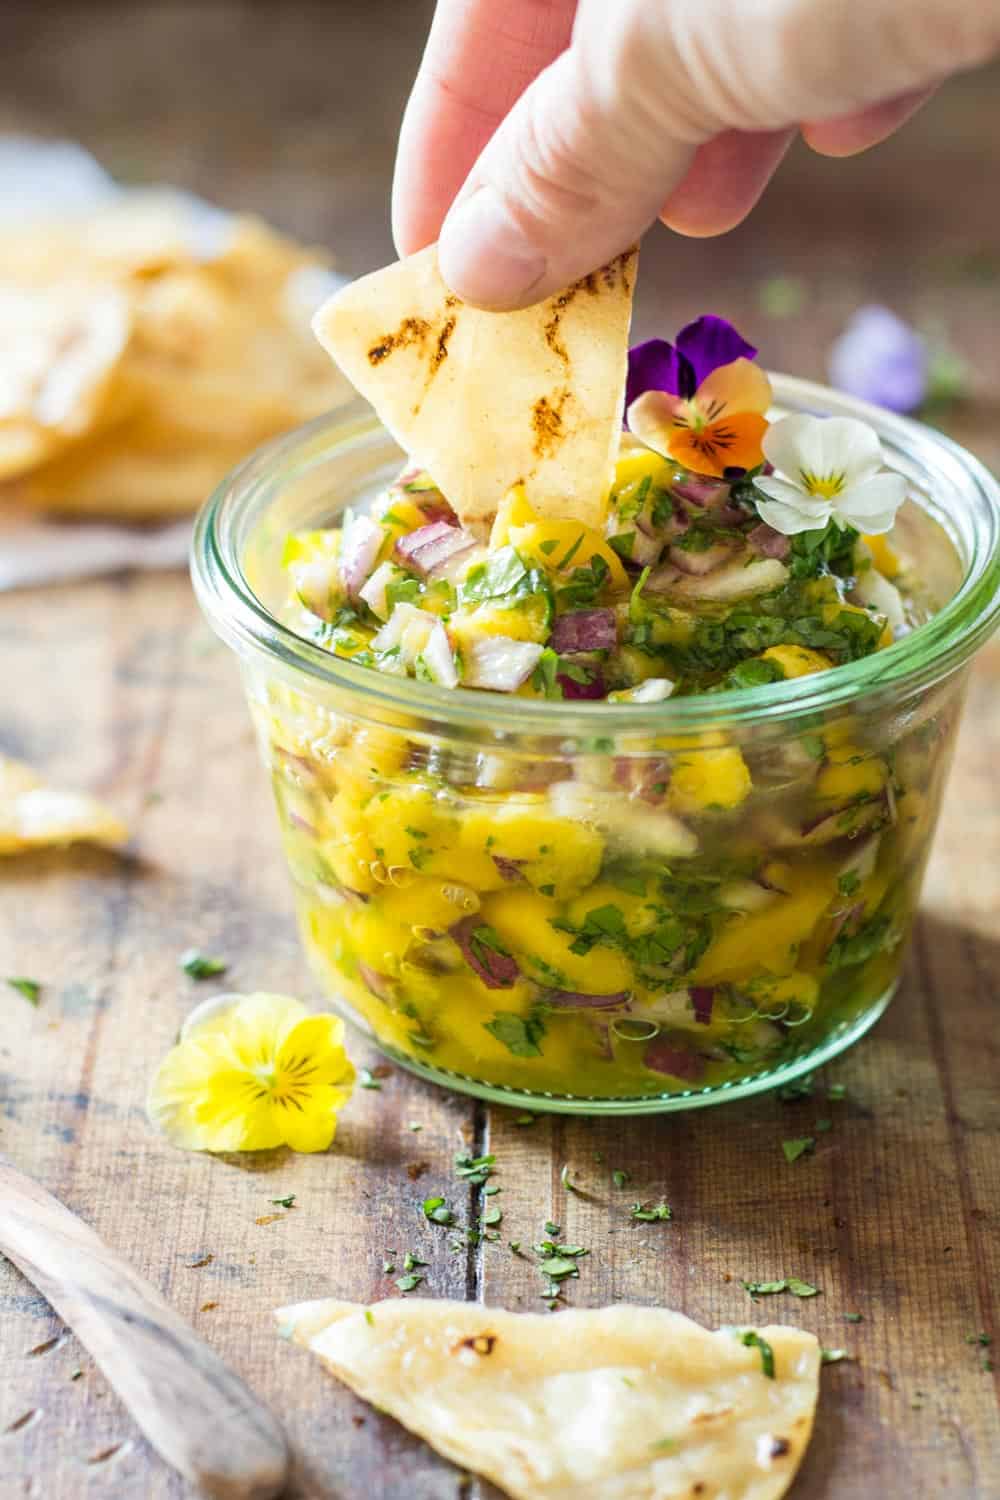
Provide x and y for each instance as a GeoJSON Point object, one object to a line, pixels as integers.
{"type": "Point", "coordinates": [118, 686]}
{"type": "Point", "coordinates": [193, 1410]}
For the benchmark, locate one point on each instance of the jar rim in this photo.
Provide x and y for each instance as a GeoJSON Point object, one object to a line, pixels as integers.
{"type": "Point", "coordinates": [931, 651]}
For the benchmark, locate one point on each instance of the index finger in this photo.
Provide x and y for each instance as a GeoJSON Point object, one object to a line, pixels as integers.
{"type": "Point", "coordinates": [479, 59]}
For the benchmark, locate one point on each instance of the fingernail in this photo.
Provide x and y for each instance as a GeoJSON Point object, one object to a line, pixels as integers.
{"type": "Point", "coordinates": [484, 256]}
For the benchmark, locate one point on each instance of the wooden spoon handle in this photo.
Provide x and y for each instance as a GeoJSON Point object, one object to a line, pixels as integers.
{"type": "Point", "coordinates": [196, 1413]}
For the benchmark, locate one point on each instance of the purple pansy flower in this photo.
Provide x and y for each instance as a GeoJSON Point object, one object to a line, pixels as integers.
{"type": "Point", "coordinates": [679, 369]}
{"type": "Point", "coordinates": [881, 359]}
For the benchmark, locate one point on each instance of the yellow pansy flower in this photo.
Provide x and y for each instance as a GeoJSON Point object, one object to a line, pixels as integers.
{"type": "Point", "coordinates": [250, 1072]}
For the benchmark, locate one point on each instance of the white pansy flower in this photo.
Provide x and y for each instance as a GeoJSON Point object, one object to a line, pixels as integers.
{"type": "Point", "coordinates": [827, 468]}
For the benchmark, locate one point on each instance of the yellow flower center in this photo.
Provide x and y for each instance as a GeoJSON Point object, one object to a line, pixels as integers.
{"type": "Point", "coordinates": [288, 1087]}
{"type": "Point", "coordinates": [827, 486]}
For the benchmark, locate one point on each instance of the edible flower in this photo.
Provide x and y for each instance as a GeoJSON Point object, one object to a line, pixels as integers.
{"type": "Point", "coordinates": [250, 1072]}
{"type": "Point", "coordinates": [699, 401]}
{"type": "Point", "coordinates": [827, 469]}
{"type": "Point", "coordinates": [881, 359]}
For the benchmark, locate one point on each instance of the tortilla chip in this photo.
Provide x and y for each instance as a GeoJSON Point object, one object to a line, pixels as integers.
{"type": "Point", "coordinates": [486, 400]}
{"type": "Point", "coordinates": [624, 1403]}
{"type": "Point", "coordinates": [34, 815]}
{"type": "Point", "coordinates": [61, 348]}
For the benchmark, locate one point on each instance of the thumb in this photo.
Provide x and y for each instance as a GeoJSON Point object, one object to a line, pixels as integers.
{"type": "Point", "coordinates": [603, 138]}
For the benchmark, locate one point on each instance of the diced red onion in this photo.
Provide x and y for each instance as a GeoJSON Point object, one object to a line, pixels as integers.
{"type": "Point", "coordinates": [498, 971]}
{"type": "Point", "coordinates": [584, 630]}
{"type": "Point", "coordinates": [574, 1000]}
{"type": "Point", "coordinates": [379, 984]}
{"type": "Point", "coordinates": [510, 869]}
{"type": "Point", "coordinates": [645, 778]}
{"type": "Point", "coordinates": [703, 999]}
{"type": "Point", "coordinates": [500, 664]}
{"type": "Point", "coordinates": [699, 563]}
{"type": "Point", "coordinates": [701, 491]}
{"type": "Point", "coordinates": [768, 542]}
{"type": "Point", "coordinates": [661, 1056]}
{"type": "Point", "coordinates": [593, 688]}
{"type": "Point", "coordinates": [430, 547]}
{"type": "Point", "coordinates": [359, 552]}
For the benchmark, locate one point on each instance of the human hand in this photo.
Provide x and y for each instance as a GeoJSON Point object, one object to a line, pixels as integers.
{"type": "Point", "coordinates": [567, 127]}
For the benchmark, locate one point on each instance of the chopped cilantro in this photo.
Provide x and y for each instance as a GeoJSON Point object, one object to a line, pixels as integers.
{"type": "Point", "coordinates": [814, 746]}
{"type": "Point", "coordinates": [515, 1246]}
{"type": "Point", "coordinates": [786, 1284]}
{"type": "Point", "coordinates": [585, 584]}
{"type": "Point", "coordinates": [493, 1216]}
{"type": "Point", "coordinates": [836, 1091]}
{"type": "Point", "coordinates": [619, 1177]}
{"type": "Point", "coordinates": [793, 1149]}
{"type": "Point", "coordinates": [519, 1034]}
{"type": "Point", "coordinates": [402, 591]}
{"type": "Point", "coordinates": [369, 1317]}
{"type": "Point", "coordinates": [408, 1283]}
{"type": "Point", "coordinates": [564, 1178]}
{"type": "Point", "coordinates": [645, 1214]}
{"type": "Point", "coordinates": [979, 1338]}
{"type": "Point", "coordinates": [756, 672]}
{"type": "Point", "coordinates": [545, 677]}
{"type": "Point", "coordinates": [752, 1340]}
{"type": "Point", "coordinates": [557, 1267]}
{"type": "Point", "coordinates": [474, 1169]}
{"type": "Point", "coordinates": [849, 882]}
{"type": "Point", "coordinates": [287, 1202]}
{"type": "Point", "coordinates": [853, 1317]}
{"type": "Point", "coordinates": [438, 1211]}
{"type": "Point", "coordinates": [799, 1088]}
{"type": "Point", "coordinates": [367, 1079]}
{"type": "Point", "coordinates": [846, 951]}
{"type": "Point", "coordinates": [201, 965]}
{"type": "Point", "coordinates": [815, 553]}
{"type": "Point", "coordinates": [411, 1261]}
{"type": "Point", "coordinates": [31, 989]}
{"type": "Point", "coordinates": [833, 1356]}
{"type": "Point", "coordinates": [553, 1229]}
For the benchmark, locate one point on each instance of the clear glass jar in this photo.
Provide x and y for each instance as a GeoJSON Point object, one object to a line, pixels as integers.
{"type": "Point", "coordinates": [486, 886]}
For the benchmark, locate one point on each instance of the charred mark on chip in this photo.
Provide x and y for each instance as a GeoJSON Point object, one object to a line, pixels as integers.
{"type": "Point", "coordinates": [441, 348]}
{"type": "Point", "coordinates": [779, 1447]}
{"type": "Point", "coordinates": [411, 331]}
{"type": "Point", "coordinates": [547, 421]}
{"type": "Point", "coordinates": [478, 1343]}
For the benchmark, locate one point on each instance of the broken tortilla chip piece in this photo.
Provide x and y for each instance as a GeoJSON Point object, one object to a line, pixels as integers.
{"type": "Point", "coordinates": [486, 400]}
{"type": "Point", "coordinates": [622, 1403]}
{"type": "Point", "coordinates": [34, 815]}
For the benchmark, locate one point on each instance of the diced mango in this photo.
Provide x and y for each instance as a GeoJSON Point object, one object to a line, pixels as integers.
{"type": "Point", "coordinates": [885, 558]}
{"type": "Point", "coordinates": [524, 921]}
{"type": "Point", "coordinates": [514, 510]}
{"type": "Point", "coordinates": [553, 851]}
{"type": "Point", "coordinates": [776, 992]}
{"type": "Point", "coordinates": [849, 774]}
{"type": "Point", "coordinates": [797, 661]}
{"type": "Point", "coordinates": [636, 464]}
{"type": "Point", "coordinates": [527, 621]}
{"type": "Point", "coordinates": [562, 546]}
{"type": "Point", "coordinates": [768, 940]}
{"type": "Point", "coordinates": [378, 752]}
{"type": "Point", "coordinates": [709, 778]}
{"type": "Point", "coordinates": [410, 819]}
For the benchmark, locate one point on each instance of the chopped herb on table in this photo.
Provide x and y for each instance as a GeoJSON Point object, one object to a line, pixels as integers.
{"type": "Point", "coordinates": [786, 1284]}
{"type": "Point", "coordinates": [367, 1079]}
{"type": "Point", "coordinates": [833, 1356]}
{"type": "Point", "coordinates": [801, 1146]}
{"type": "Point", "coordinates": [411, 1261]}
{"type": "Point", "coordinates": [409, 1283]}
{"type": "Point", "coordinates": [286, 1202]}
{"type": "Point", "coordinates": [644, 1213]}
{"type": "Point", "coordinates": [31, 989]}
{"type": "Point", "coordinates": [474, 1169]}
{"type": "Point", "coordinates": [438, 1211]}
{"type": "Point", "coordinates": [201, 965]}
{"type": "Point", "coordinates": [620, 1178]}
{"type": "Point", "coordinates": [799, 1088]}
{"type": "Point", "coordinates": [567, 1182]}
{"type": "Point", "coordinates": [836, 1091]}
{"type": "Point", "coordinates": [853, 1317]}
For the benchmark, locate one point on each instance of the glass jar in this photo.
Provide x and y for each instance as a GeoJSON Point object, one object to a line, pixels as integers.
{"type": "Point", "coordinates": [491, 886]}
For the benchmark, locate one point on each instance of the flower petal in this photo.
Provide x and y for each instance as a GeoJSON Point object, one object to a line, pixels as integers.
{"type": "Point", "coordinates": [314, 1052]}
{"type": "Point", "coordinates": [738, 387]}
{"type": "Point", "coordinates": [872, 505]}
{"type": "Point", "coordinates": [807, 448]}
{"type": "Point", "coordinates": [651, 419]}
{"type": "Point", "coordinates": [709, 342]}
{"type": "Point", "coordinates": [881, 359]}
{"type": "Point", "coordinates": [657, 366]}
{"type": "Point", "coordinates": [733, 442]}
{"type": "Point", "coordinates": [790, 516]}
{"type": "Point", "coordinates": [311, 1128]}
{"type": "Point", "coordinates": [201, 1103]}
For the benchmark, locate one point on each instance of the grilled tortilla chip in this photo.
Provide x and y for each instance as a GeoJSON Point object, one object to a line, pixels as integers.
{"type": "Point", "coordinates": [486, 400]}
{"type": "Point", "coordinates": [624, 1403]}
{"type": "Point", "coordinates": [34, 815]}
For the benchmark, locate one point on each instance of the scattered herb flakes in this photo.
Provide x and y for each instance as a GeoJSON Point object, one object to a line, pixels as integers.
{"type": "Point", "coordinates": [979, 1338]}
{"type": "Point", "coordinates": [514, 1246]}
{"type": "Point", "coordinates": [786, 1284]}
{"type": "Point", "coordinates": [411, 1261]}
{"type": "Point", "coordinates": [286, 1202]}
{"type": "Point", "coordinates": [388, 1267]}
{"type": "Point", "coordinates": [836, 1091]}
{"type": "Point", "coordinates": [663, 1445]}
{"type": "Point", "coordinates": [367, 1079]}
{"type": "Point", "coordinates": [801, 1146]}
{"type": "Point", "coordinates": [474, 1169]}
{"type": "Point", "coordinates": [833, 1356]}
{"type": "Point", "coordinates": [556, 1267]}
{"type": "Point", "coordinates": [568, 1183]}
{"type": "Point", "coordinates": [822, 1126]}
{"type": "Point", "coordinates": [752, 1340]}
{"type": "Point", "coordinates": [519, 1034]}
{"type": "Point", "coordinates": [78, 1374]}
{"type": "Point", "coordinates": [525, 1120]}
{"type": "Point", "coordinates": [799, 1088]}
{"type": "Point", "coordinates": [491, 1189]}
{"type": "Point", "coordinates": [645, 1213]}
{"type": "Point", "coordinates": [493, 1216]}
{"type": "Point", "coordinates": [620, 1177]}
{"type": "Point", "coordinates": [369, 1317]}
{"type": "Point", "coordinates": [414, 1125]}
{"type": "Point", "coordinates": [31, 989]}
{"type": "Point", "coordinates": [555, 1230]}
{"type": "Point", "coordinates": [201, 965]}
{"type": "Point", "coordinates": [438, 1211]}
{"type": "Point", "coordinates": [853, 1317]}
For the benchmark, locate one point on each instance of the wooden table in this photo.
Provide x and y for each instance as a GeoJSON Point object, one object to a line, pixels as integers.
{"type": "Point", "coordinates": [118, 685]}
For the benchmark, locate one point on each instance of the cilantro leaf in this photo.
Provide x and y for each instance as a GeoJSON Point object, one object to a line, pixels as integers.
{"type": "Point", "coordinates": [201, 965]}
{"type": "Point", "coordinates": [801, 1146]}
{"type": "Point", "coordinates": [519, 1034]}
{"type": "Point", "coordinates": [31, 989]}
{"type": "Point", "coordinates": [752, 1340]}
